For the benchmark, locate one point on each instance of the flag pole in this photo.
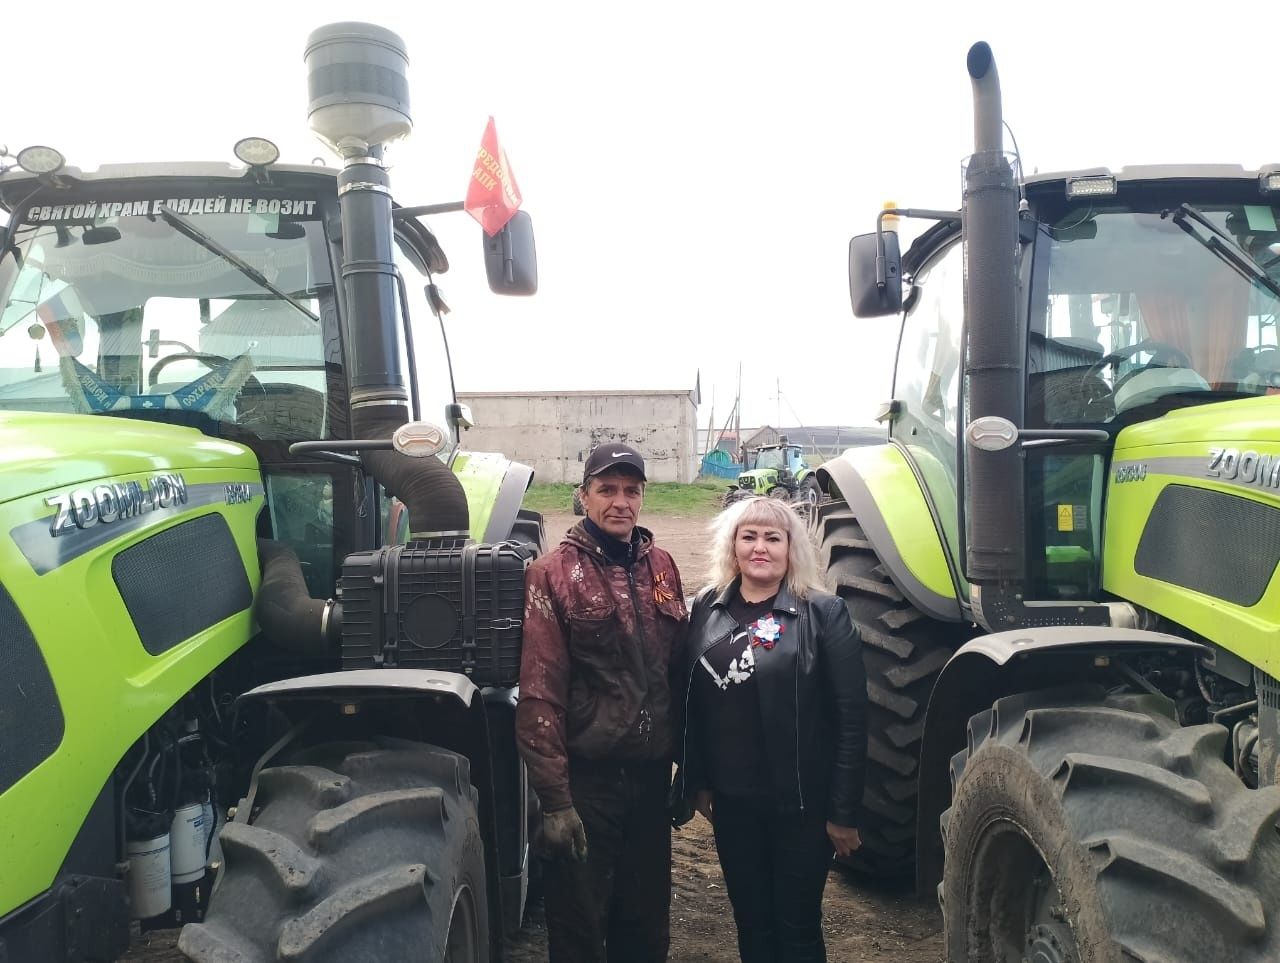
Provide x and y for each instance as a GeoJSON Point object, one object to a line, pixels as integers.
{"type": "Point", "coordinates": [423, 209]}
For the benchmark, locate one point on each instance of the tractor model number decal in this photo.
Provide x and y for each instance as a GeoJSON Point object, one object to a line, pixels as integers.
{"type": "Point", "coordinates": [1247, 467]}
{"type": "Point", "coordinates": [239, 493]}
{"type": "Point", "coordinates": [1132, 472]}
{"type": "Point", "coordinates": [103, 504]}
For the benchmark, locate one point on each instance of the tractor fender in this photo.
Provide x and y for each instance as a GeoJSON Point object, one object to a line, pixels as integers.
{"type": "Point", "coordinates": [885, 493]}
{"type": "Point", "coordinates": [993, 666]}
{"type": "Point", "coordinates": [447, 702]}
{"type": "Point", "coordinates": [354, 684]}
{"type": "Point", "coordinates": [495, 487]}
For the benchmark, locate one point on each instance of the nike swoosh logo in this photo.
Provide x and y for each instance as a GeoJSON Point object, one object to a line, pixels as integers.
{"type": "Point", "coordinates": [619, 454]}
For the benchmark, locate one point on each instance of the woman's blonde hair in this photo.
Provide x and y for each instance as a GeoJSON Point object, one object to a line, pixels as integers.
{"type": "Point", "coordinates": [802, 562]}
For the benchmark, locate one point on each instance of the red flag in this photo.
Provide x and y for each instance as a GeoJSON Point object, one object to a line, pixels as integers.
{"type": "Point", "coordinates": [493, 195]}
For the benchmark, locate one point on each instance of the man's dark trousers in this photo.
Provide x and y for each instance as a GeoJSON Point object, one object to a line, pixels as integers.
{"type": "Point", "coordinates": [615, 908]}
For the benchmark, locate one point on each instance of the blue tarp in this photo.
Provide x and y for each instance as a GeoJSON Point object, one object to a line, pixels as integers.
{"type": "Point", "coordinates": [717, 464]}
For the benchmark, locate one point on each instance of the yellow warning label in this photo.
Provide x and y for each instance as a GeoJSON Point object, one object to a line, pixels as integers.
{"type": "Point", "coordinates": [1066, 518]}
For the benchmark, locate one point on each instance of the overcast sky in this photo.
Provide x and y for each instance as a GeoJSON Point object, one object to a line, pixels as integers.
{"type": "Point", "coordinates": [694, 170]}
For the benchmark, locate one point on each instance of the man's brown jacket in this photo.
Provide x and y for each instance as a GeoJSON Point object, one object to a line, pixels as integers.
{"type": "Point", "coordinates": [594, 673]}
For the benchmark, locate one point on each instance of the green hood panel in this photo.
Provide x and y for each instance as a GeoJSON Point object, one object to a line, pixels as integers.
{"type": "Point", "coordinates": [484, 477]}
{"type": "Point", "coordinates": [110, 687]}
{"type": "Point", "coordinates": [1239, 421]}
{"type": "Point", "coordinates": [77, 493]}
{"type": "Point", "coordinates": [46, 452]}
{"type": "Point", "coordinates": [1223, 456]}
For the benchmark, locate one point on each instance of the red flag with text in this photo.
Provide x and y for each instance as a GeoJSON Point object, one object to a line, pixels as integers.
{"type": "Point", "coordinates": [493, 195]}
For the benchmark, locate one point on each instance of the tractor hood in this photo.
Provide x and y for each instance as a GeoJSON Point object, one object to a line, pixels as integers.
{"type": "Point", "coordinates": [54, 451]}
{"type": "Point", "coordinates": [1244, 418]}
{"type": "Point", "coordinates": [1235, 444]}
{"type": "Point", "coordinates": [1193, 523]}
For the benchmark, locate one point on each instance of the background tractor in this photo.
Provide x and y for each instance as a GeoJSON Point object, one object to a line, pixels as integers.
{"type": "Point", "coordinates": [778, 471]}
{"type": "Point", "coordinates": [259, 620]}
{"type": "Point", "coordinates": [1063, 560]}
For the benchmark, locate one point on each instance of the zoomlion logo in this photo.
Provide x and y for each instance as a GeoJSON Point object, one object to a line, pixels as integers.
{"type": "Point", "coordinates": [104, 504]}
{"type": "Point", "coordinates": [1246, 467]}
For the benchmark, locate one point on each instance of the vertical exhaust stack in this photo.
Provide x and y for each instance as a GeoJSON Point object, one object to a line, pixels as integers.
{"type": "Point", "coordinates": [359, 93]}
{"type": "Point", "coordinates": [995, 350]}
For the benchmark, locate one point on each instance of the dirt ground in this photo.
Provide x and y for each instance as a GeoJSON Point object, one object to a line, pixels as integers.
{"type": "Point", "coordinates": [863, 922]}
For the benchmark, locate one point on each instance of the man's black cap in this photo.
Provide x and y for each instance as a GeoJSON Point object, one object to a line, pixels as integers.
{"type": "Point", "coordinates": [610, 456]}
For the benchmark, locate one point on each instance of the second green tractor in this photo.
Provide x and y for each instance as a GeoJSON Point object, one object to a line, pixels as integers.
{"type": "Point", "coordinates": [1063, 560]}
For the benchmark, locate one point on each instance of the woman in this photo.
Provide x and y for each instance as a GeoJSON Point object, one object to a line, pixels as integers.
{"type": "Point", "coordinates": [774, 737]}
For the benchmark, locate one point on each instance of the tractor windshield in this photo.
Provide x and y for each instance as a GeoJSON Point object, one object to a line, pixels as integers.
{"type": "Point", "coordinates": [771, 458]}
{"type": "Point", "coordinates": [202, 311]}
{"type": "Point", "coordinates": [1140, 310]}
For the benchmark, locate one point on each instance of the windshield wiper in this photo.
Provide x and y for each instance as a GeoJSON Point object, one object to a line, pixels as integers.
{"type": "Point", "coordinates": [185, 227]}
{"type": "Point", "coordinates": [1224, 245]}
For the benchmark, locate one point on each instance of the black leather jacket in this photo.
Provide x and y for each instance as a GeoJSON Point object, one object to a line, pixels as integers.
{"type": "Point", "coordinates": [813, 700]}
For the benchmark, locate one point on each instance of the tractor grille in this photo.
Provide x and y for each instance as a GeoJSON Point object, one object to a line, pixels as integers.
{"type": "Point", "coordinates": [746, 482]}
{"type": "Point", "coordinates": [182, 581]}
{"type": "Point", "coordinates": [1268, 690]}
{"type": "Point", "coordinates": [1222, 545]}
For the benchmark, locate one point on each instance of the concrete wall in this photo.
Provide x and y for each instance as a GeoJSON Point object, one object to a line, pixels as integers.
{"type": "Point", "coordinates": [553, 431]}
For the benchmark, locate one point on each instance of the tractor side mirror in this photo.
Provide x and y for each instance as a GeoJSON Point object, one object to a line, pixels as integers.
{"type": "Point", "coordinates": [510, 259]}
{"type": "Point", "coordinates": [875, 279]}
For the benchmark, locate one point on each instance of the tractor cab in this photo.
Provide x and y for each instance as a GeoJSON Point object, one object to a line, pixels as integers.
{"type": "Point", "coordinates": [784, 459]}
{"type": "Point", "coordinates": [1147, 292]}
{"type": "Point", "coordinates": [194, 294]}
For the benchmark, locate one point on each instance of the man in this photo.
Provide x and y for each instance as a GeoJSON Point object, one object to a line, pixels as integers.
{"type": "Point", "coordinates": [603, 613]}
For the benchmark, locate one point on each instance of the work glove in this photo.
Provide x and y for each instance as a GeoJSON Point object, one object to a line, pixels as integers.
{"type": "Point", "coordinates": [679, 808]}
{"type": "Point", "coordinates": [563, 836]}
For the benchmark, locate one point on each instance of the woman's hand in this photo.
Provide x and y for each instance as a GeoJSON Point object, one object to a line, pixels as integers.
{"type": "Point", "coordinates": [844, 838]}
{"type": "Point", "coordinates": [702, 803]}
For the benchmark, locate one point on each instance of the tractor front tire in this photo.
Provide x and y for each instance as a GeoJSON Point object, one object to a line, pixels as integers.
{"type": "Point", "coordinates": [352, 852]}
{"type": "Point", "coordinates": [903, 651]}
{"type": "Point", "coordinates": [811, 491]}
{"type": "Point", "coordinates": [1091, 827]}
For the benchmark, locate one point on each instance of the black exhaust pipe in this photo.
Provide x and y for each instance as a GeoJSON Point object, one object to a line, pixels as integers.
{"type": "Point", "coordinates": [360, 100]}
{"type": "Point", "coordinates": [995, 500]}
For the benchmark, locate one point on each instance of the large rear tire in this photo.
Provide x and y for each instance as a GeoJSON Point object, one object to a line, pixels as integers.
{"type": "Point", "coordinates": [903, 651]}
{"type": "Point", "coordinates": [353, 852]}
{"type": "Point", "coordinates": [1088, 828]}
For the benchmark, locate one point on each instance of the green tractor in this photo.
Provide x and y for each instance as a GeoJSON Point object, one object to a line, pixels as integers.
{"type": "Point", "coordinates": [259, 613]}
{"type": "Point", "coordinates": [778, 471]}
{"type": "Point", "coordinates": [1063, 561]}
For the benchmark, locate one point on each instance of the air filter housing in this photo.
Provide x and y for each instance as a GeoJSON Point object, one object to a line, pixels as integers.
{"type": "Point", "coordinates": [358, 86]}
{"type": "Point", "coordinates": [456, 609]}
